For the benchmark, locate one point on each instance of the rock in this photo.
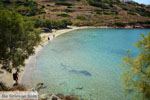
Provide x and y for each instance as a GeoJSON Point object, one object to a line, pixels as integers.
{"type": "Point", "coordinates": [40, 86]}
{"type": "Point", "coordinates": [54, 98]}
{"type": "Point", "coordinates": [43, 97]}
{"type": "Point", "coordinates": [81, 72]}
{"type": "Point", "coordinates": [61, 96]}
{"type": "Point", "coordinates": [79, 88]}
{"type": "Point", "coordinates": [69, 97]}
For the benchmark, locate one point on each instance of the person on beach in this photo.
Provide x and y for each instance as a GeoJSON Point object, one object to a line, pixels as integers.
{"type": "Point", "coordinates": [48, 38]}
{"type": "Point", "coordinates": [15, 77]}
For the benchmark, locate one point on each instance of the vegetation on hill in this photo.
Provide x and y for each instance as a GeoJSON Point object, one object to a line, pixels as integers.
{"type": "Point", "coordinates": [96, 12]}
{"type": "Point", "coordinates": [52, 24]}
{"type": "Point", "coordinates": [104, 4]}
{"type": "Point", "coordinates": [137, 75]}
{"type": "Point", "coordinates": [24, 7]}
{"type": "Point", "coordinates": [93, 12]}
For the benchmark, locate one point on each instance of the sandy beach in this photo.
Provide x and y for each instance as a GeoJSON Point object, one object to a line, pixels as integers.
{"type": "Point", "coordinates": [7, 77]}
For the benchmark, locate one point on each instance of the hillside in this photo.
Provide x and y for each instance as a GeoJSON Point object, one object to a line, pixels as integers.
{"type": "Point", "coordinates": [86, 12]}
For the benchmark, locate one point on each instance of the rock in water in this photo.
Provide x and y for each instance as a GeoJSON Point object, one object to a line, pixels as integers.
{"type": "Point", "coordinates": [81, 72]}
{"type": "Point", "coordinates": [54, 98]}
{"type": "Point", "coordinates": [86, 73]}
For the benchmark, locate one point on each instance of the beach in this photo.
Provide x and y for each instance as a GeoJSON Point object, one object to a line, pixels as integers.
{"type": "Point", "coordinates": [7, 77]}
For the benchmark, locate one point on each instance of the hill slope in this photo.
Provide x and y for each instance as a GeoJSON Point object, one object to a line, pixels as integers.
{"type": "Point", "coordinates": [88, 12]}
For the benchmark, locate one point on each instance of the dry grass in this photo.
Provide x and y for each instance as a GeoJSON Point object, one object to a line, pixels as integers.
{"type": "Point", "coordinates": [91, 17]}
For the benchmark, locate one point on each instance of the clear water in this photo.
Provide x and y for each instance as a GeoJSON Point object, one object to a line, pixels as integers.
{"type": "Point", "coordinates": [85, 62]}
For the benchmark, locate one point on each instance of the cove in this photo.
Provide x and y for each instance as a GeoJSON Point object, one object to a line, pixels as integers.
{"type": "Point", "coordinates": [85, 62]}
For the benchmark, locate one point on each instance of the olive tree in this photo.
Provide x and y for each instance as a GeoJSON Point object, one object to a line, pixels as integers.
{"type": "Point", "coordinates": [17, 39]}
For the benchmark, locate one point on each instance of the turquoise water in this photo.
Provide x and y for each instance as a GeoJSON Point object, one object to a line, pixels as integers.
{"type": "Point", "coordinates": [85, 62]}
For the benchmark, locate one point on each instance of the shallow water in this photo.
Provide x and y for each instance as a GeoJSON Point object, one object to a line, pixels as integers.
{"type": "Point", "coordinates": [85, 62]}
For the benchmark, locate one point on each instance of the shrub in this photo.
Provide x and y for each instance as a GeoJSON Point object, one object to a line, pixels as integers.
{"type": "Point", "coordinates": [99, 11]}
{"type": "Point", "coordinates": [143, 12]}
{"type": "Point", "coordinates": [51, 24]}
{"type": "Point", "coordinates": [81, 17]}
{"type": "Point", "coordinates": [24, 7]}
{"type": "Point", "coordinates": [139, 22]}
{"type": "Point", "coordinates": [69, 10]}
{"type": "Point", "coordinates": [101, 4]}
{"type": "Point", "coordinates": [38, 23]}
{"type": "Point", "coordinates": [93, 3]}
{"type": "Point", "coordinates": [61, 24]}
{"type": "Point", "coordinates": [6, 1]}
{"type": "Point", "coordinates": [120, 24]}
{"type": "Point", "coordinates": [63, 15]}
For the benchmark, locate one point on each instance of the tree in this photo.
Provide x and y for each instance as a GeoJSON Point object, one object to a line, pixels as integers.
{"type": "Point", "coordinates": [17, 39]}
{"type": "Point", "coordinates": [137, 76]}
{"type": "Point", "coordinates": [7, 1]}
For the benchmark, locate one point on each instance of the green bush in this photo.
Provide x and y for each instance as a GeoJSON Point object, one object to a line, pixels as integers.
{"type": "Point", "coordinates": [139, 22]}
{"type": "Point", "coordinates": [95, 3]}
{"type": "Point", "coordinates": [99, 11]}
{"type": "Point", "coordinates": [38, 23]}
{"type": "Point", "coordinates": [81, 17]}
{"type": "Point", "coordinates": [6, 1]}
{"type": "Point", "coordinates": [143, 12]}
{"type": "Point", "coordinates": [69, 10]}
{"type": "Point", "coordinates": [24, 7]}
{"type": "Point", "coordinates": [63, 15]}
{"type": "Point", "coordinates": [120, 24]}
{"type": "Point", "coordinates": [60, 24]}
{"type": "Point", "coordinates": [51, 24]}
{"type": "Point", "coordinates": [104, 4]}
